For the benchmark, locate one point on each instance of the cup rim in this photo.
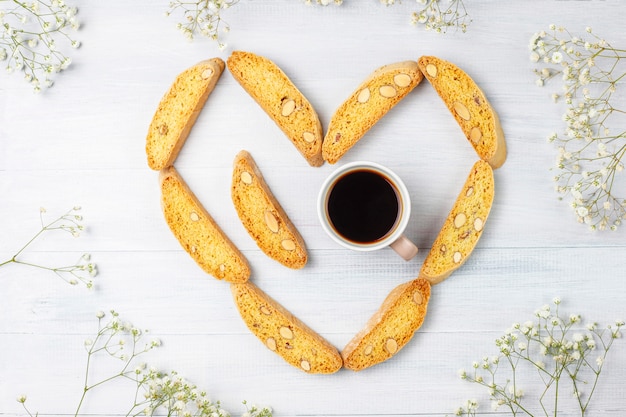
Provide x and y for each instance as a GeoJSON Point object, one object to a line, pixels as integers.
{"type": "Point", "coordinates": [365, 247]}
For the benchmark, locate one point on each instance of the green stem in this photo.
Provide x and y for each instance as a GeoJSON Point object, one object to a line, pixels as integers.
{"type": "Point", "coordinates": [7, 262]}
{"type": "Point", "coordinates": [27, 410]}
{"type": "Point", "coordinates": [606, 347]}
{"type": "Point", "coordinates": [44, 228]}
{"type": "Point", "coordinates": [557, 379]}
{"type": "Point", "coordinates": [37, 266]}
{"type": "Point", "coordinates": [85, 381]}
{"type": "Point", "coordinates": [123, 373]}
{"type": "Point", "coordinates": [23, 248]}
{"type": "Point", "coordinates": [514, 402]}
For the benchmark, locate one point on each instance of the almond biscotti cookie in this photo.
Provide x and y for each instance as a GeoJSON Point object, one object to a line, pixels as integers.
{"type": "Point", "coordinates": [178, 110]}
{"type": "Point", "coordinates": [197, 232]}
{"type": "Point", "coordinates": [270, 87]}
{"type": "Point", "coordinates": [463, 226]}
{"type": "Point", "coordinates": [378, 94]}
{"type": "Point", "coordinates": [391, 328]}
{"type": "Point", "coordinates": [262, 215]}
{"type": "Point", "coordinates": [283, 333]}
{"type": "Point", "coordinates": [469, 106]}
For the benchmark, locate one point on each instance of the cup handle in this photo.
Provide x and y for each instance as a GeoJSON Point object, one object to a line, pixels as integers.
{"type": "Point", "coordinates": [404, 247]}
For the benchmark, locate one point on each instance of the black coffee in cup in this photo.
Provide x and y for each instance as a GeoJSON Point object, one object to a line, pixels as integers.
{"type": "Point", "coordinates": [364, 206]}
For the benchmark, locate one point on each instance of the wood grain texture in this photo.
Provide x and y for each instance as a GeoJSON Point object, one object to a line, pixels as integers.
{"type": "Point", "coordinates": [69, 147]}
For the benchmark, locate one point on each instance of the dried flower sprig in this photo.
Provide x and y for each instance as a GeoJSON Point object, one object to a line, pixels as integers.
{"type": "Point", "coordinates": [590, 155]}
{"type": "Point", "coordinates": [153, 391]}
{"type": "Point", "coordinates": [563, 354]}
{"type": "Point", "coordinates": [83, 271]}
{"type": "Point", "coordinates": [204, 17]}
{"type": "Point", "coordinates": [439, 18]}
{"type": "Point", "coordinates": [30, 36]}
{"type": "Point", "coordinates": [201, 17]}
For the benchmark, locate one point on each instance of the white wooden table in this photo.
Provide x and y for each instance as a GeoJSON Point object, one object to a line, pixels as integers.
{"type": "Point", "coordinates": [82, 143]}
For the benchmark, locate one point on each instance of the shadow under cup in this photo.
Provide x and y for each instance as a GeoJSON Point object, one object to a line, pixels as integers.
{"type": "Point", "coordinates": [364, 206]}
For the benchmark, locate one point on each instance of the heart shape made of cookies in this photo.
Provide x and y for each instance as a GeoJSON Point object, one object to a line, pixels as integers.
{"type": "Point", "coordinates": [404, 309]}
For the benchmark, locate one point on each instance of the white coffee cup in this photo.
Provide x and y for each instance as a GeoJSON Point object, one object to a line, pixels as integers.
{"type": "Point", "coordinates": [365, 206]}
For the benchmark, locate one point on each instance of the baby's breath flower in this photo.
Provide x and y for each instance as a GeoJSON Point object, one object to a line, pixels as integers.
{"type": "Point", "coordinates": [31, 35]}
{"type": "Point", "coordinates": [439, 15]}
{"type": "Point", "coordinates": [554, 348]}
{"type": "Point", "coordinates": [543, 312]}
{"type": "Point", "coordinates": [556, 58]}
{"type": "Point", "coordinates": [201, 17]}
{"type": "Point", "coordinates": [590, 69]}
{"type": "Point", "coordinates": [81, 271]}
{"type": "Point", "coordinates": [155, 393]}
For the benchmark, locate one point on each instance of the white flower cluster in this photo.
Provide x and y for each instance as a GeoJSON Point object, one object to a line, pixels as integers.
{"type": "Point", "coordinates": [201, 17]}
{"type": "Point", "coordinates": [183, 397]}
{"type": "Point", "coordinates": [204, 18]}
{"type": "Point", "coordinates": [590, 155]}
{"type": "Point", "coordinates": [469, 408]}
{"type": "Point", "coordinates": [440, 17]}
{"type": "Point", "coordinates": [29, 36]}
{"type": "Point", "coordinates": [83, 271]}
{"type": "Point", "coordinates": [155, 393]}
{"type": "Point", "coordinates": [557, 347]}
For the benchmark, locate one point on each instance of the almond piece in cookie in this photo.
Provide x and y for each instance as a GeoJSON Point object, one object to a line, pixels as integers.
{"type": "Point", "coordinates": [391, 328]}
{"type": "Point", "coordinates": [178, 110]}
{"type": "Point", "coordinates": [270, 87]}
{"type": "Point", "coordinates": [197, 232]}
{"type": "Point", "coordinates": [281, 332]}
{"type": "Point", "coordinates": [378, 94]}
{"type": "Point", "coordinates": [469, 106]}
{"type": "Point", "coordinates": [463, 226]}
{"type": "Point", "coordinates": [262, 215]}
